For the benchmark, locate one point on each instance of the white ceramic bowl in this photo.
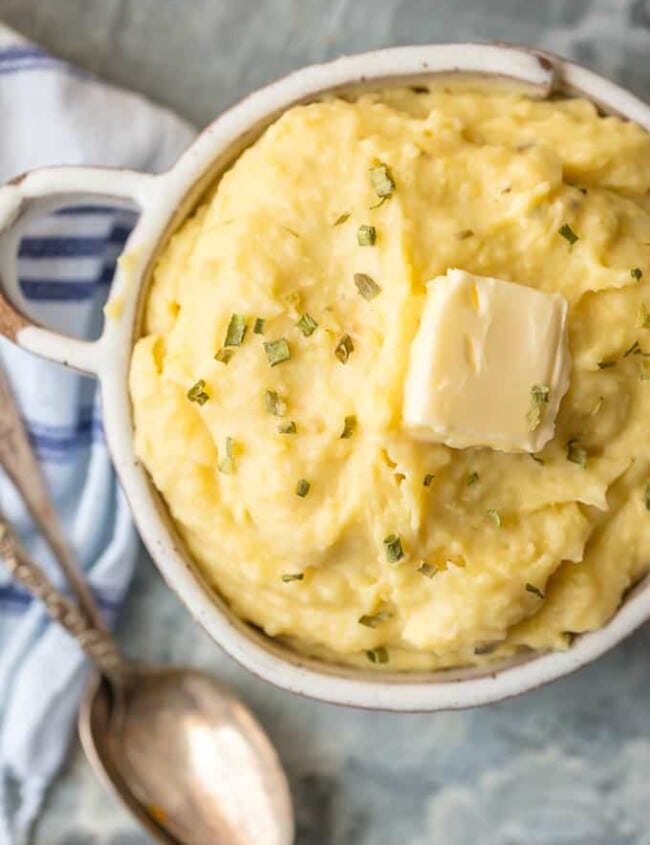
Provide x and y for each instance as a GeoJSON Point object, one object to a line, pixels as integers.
{"type": "Point", "coordinates": [163, 202]}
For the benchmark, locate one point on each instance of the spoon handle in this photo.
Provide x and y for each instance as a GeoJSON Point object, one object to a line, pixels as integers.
{"type": "Point", "coordinates": [98, 644]}
{"type": "Point", "coordinates": [18, 460]}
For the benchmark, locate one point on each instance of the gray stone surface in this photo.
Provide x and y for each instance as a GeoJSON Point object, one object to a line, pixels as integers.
{"type": "Point", "coordinates": [567, 765]}
{"type": "Point", "coordinates": [201, 55]}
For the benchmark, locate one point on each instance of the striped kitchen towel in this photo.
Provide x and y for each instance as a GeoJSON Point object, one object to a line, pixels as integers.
{"type": "Point", "coordinates": [52, 113]}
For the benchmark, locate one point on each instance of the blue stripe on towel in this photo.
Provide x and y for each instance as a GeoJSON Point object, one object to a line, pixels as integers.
{"type": "Point", "coordinates": [18, 58]}
{"type": "Point", "coordinates": [65, 434]}
{"type": "Point", "coordinates": [65, 447]}
{"type": "Point", "coordinates": [40, 64]}
{"type": "Point", "coordinates": [121, 232]}
{"type": "Point", "coordinates": [19, 52]}
{"type": "Point", "coordinates": [61, 247]}
{"type": "Point", "coordinates": [106, 276]}
{"type": "Point", "coordinates": [62, 438]}
{"type": "Point", "coordinates": [64, 442]}
{"type": "Point", "coordinates": [52, 290]}
{"type": "Point", "coordinates": [85, 209]}
{"type": "Point", "coordinates": [57, 246]}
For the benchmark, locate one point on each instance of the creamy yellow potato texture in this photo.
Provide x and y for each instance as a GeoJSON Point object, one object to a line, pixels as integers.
{"type": "Point", "coordinates": [287, 468]}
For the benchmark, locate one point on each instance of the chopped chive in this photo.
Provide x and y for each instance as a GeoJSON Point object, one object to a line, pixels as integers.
{"type": "Point", "coordinates": [302, 488]}
{"type": "Point", "coordinates": [367, 287]}
{"type": "Point", "coordinates": [472, 478]}
{"type": "Point", "coordinates": [377, 655]}
{"type": "Point", "coordinates": [538, 396]}
{"type": "Point", "coordinates": [576, 453]}
{"type": "Point", "coordinates": [464, 234]}
{"type": "Point", "coordinates": [307, 324]}
{"type": "Point", "coordinates": [382, 180]}
{"type": "Point", "coordinates": [393, 548]}
{"type": "Point", "coordinates": [344, 348]}
{"type": "Point", "coordinates": [644, 369]}
{"type": "Point", "coordinates": [568, 234]}
{"type": "Point", "coordinates": [428, 478]}
{"type": "Point", "coordinates": [287, 428]}
{"type": "Point", "coordinates": [349, 427]}
{"type": "Point", "coordinates": [224, 355]}
{"type": "Point", "coordinates": [538, 460]}
{"type": "Point", "coordinates": [277, 351]}
{"type": "Point", "coordinates": [427, 569]}
{"type": "Point", "coordinates": [539, 393]}
{"type": "Point", "coordinates": [228, 464]}
{"type": "Point", "coordinates": [341, 218]}
{"type": "Point", "coordinates": [374, 619]}
{"type": "Point", "coordinates": [494, 517]}
{"type": "Point", "coordinates": [236, 330]}
{"type": "Point", "coordinates": [643, 321]}
{"type": "Point", "coordinates": [536, 590]}
{"type": "Point", "coordinates": [274, 404]}
{"type": "Point", "coordinates": [292, 576]}
{"type": "Point", "coordinates": [197, 393]}
{"type": "Point", "coordinates": [632, 350]}
{"type": "Point", "coordinates": [258, 326]}
{"type": "Point", "coordinates": [605, 365]}
{"type": "Point", "coordinates": [646, 497]}
{"type": "Point", "coordinates": [636, 273]}
{"type": "Point", "coordinates": [290, 231]}
{"type": "Point", "coordinates": [366, 235]}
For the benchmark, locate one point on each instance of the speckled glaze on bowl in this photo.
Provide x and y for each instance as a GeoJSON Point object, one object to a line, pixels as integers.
{"type": "Point", "coordinates": [163, 202]}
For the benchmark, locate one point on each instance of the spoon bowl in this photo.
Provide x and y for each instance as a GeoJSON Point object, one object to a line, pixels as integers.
{"type": "Point", "coordinates": [187, 758]}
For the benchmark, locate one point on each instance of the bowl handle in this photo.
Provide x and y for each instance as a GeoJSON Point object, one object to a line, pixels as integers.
{"type": "Point", "coordinates": [39, 192]}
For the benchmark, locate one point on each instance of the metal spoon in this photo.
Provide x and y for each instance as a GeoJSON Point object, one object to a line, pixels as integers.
{"type": "Point", "coordinates": [186, 757]}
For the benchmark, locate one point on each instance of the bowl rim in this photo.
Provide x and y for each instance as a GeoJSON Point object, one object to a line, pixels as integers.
{"type": "Point", "coordinates": [170, 197]}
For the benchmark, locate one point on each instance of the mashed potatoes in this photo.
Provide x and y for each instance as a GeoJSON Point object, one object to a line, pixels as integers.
{"type": "Point", "coordinates": [299, 493]}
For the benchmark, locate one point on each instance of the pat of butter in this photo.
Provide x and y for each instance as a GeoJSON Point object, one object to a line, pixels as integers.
{"type": "Point", "coordinates": [482, 347]}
